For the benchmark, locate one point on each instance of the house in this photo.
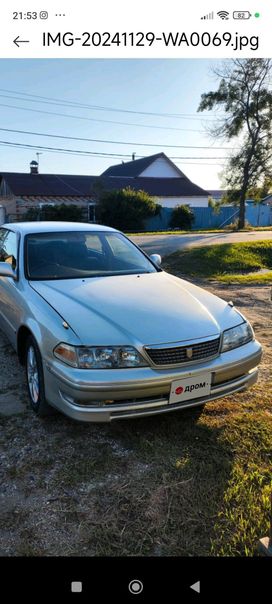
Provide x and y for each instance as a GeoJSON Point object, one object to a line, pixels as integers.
{"type": "Point", "coordinates": [156, 174]}
{"type": "Point", "coordinates": [217, 194]}
{"type": "Point", "coordinates": [267, 201]}
{"type": "Point", "coordinates": [22, 191]}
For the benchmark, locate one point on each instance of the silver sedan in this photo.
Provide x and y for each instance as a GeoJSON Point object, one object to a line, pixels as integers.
{"type": "Point", "coordinates": [105, 333]}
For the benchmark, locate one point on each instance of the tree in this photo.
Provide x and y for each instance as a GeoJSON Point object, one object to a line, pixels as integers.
{"type": "Point", "coordinates": [258, 193]}
{"type": "Point", "coordinates": [182, 217]}
{"type": "Point", "coordinates": [244, 95]}
{"type": "Point", "coordinates": [125, 209]}
{"type": "Point", "coordinates": [215, 204]}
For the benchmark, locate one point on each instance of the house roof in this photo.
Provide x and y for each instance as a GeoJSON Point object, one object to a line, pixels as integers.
{"type": "Point", "coordinates": [137, 166]}
{"type": "Point", "coordinates": [48, 184]}
{"type": "Point", "coordinates": [217, 192]}
{"type": "Point", "coordinates": [158, 187]}
{"type": "Point", "coordinates": [56, 185]}
{"type": "Point", "coordinates": [47, 199]}
{"type": "Point", "coordinates": [116, 177]}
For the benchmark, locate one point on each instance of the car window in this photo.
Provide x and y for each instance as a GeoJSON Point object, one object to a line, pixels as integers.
{"type": "Point", "coordinates": [8, 247]}
{"type": "Point", "coordinates": [70, 255]}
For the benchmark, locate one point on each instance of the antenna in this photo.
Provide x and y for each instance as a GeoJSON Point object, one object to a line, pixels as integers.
{"type": "Point", "coordinates": [38, 158]}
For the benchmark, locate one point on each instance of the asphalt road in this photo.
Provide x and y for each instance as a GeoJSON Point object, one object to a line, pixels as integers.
{"type": "Point", "coordinates": [166, 244]}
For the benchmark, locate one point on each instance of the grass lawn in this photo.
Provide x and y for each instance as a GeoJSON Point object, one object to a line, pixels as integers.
{"type": "Point", "coordinates": [176, 232]}
{"type": "Point", "coordinates": [231, 262]}
{"type": "Point", "coordinates": [190, 483]}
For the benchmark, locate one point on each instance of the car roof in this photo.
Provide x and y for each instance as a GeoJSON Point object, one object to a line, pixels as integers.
{"type": "Point", "coordinates": [54, 227]}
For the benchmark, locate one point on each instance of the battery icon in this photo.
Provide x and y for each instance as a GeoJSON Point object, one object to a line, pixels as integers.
{"type": "Point", "coordinates": [241, 14]}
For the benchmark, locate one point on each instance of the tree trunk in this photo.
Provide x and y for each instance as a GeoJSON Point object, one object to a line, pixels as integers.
{"type": "Point", "coordinates": [242, 210]}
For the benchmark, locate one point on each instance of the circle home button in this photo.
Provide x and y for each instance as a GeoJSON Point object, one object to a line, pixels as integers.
{"type": "Point", "coordinates": [135, 587]}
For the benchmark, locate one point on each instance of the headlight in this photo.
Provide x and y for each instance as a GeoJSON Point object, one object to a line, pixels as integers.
{"type": "Point", "coordinates": [237, 336]}
{"type": "Point", "coordinates": [98, 357]}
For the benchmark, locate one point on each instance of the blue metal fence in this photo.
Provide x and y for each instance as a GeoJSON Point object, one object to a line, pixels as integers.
{"type": "Point", "coordinates": [207, 218]}
{"type": "Point", "coordinates": [259, 215]}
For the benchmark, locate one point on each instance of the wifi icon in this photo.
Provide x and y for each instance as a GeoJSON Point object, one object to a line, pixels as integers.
{"type": "Point", "coordinates": [223, 14]}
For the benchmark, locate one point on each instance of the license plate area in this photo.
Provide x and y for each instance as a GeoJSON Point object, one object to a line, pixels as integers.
{"type": "Point", "coordinates": [190, 388]}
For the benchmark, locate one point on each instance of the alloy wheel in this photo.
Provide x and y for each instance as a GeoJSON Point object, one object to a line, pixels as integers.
{"type": "Point", "coordinates": [33, 375]}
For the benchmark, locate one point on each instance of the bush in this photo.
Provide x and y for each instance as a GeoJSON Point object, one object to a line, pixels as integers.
{"type": "Point", "coordinates": [126, 209]}
{"type": "Point", "coordinates": [215, 205]}
{"type": "Point", "coordinates": [182, 217]}
{"type": "Point", "coordinates": [71, 213]}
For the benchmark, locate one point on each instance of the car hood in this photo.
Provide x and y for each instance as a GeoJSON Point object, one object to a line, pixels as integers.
{"type": "Point", "coordinates": [142, 309]}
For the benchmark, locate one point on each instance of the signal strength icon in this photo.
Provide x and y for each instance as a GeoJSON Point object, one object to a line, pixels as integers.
{"type": "Point", "coordinates": [223, 14]}
{"type": "Point", "coordinates": [208, 16]}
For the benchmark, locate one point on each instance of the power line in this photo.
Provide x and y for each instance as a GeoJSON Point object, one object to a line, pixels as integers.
{"type": "Point", "coordinates": [90, 119]}
{"type": "Point", "coordinates": [91, 153]}
{"type": "Point", "coordinates": [190, 163]}
{"type": "Point", "coordinates": [80, 117]}
{"type": "Point", "coordinates": [97, 120]}
{"type": "Point", "coordinates": [111, 142]}
{"type": "Point", "coordinates": [61, 150]}
{"type": "Point", "coordinates": [120, 157]}
{"type": "Point", "coordinates": [50, 100]}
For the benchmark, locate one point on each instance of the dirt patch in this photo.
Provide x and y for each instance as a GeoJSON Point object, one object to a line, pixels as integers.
{"type": "Point", "coordinates": [153, 486]}
{"type": "Point", "coordinates": [255, 302]}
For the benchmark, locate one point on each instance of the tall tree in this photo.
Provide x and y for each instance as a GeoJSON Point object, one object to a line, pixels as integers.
{"type": "Point", "coordinates": [245, 96]}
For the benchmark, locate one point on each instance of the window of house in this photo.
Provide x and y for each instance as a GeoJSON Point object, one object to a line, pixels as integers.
{"type": "Point", "coordinates": [91, 212]}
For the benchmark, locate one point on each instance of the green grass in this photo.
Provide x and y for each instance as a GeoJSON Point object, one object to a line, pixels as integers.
{"type": "Point", "coordinates": [247, 497]}
{"type": "Point", "coordinates": [262, 279]}
{"type": "Point", "coordinates": [230, 262]}
{"type": "Point", "coordinates": [194, 483]}
{"type": "Point", "coordinates": [176, 232]}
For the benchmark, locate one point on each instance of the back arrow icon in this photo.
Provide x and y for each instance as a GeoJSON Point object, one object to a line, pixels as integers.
{"type": "Point", "coordinates": [18, 42]}
{"type": "Point", "coordinates": [196, 587]}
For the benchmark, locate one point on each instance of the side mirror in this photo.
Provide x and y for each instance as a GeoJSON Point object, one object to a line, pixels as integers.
{"type": "Point", "coordinates": [6, 270]}
{"type": "Point", "coordinates": [156, 258]}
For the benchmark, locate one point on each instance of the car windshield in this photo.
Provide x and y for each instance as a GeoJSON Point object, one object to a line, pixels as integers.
{"type": "Point", "coordinates": [79, 254]}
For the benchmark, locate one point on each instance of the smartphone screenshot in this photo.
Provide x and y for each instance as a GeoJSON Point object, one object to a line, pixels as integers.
{"type": "Point", "coordinates": [135, 301]}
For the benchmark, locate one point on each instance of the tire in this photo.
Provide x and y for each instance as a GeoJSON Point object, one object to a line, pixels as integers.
{"type": "Point", "coordinates": [35, 379]}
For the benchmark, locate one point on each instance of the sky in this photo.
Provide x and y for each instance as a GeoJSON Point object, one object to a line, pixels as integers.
{"type": "Point", "coordinates": [116, 101]}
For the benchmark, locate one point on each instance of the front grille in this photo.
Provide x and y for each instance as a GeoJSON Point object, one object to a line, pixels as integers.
{"type": "Point", "coordinates": [184, 354]}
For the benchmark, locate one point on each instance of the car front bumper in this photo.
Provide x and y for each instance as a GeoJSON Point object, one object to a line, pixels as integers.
{"type": "Point", "coordinates": [104, 395]}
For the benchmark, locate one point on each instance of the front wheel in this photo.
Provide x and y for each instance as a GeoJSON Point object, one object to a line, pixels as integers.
{"type": "Point", "coordinates": [35, 379]}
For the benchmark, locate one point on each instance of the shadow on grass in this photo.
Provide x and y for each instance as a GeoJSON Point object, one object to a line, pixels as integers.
{"type": "Point", "coordinates": [152, 486]}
